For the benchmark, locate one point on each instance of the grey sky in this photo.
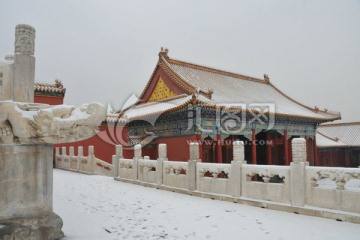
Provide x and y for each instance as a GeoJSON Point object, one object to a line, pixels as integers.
{"type": "Point", "coordinates": [106, 50]}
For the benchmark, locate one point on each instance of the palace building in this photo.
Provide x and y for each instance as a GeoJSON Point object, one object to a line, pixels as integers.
{"type": "Point", "coordinates": [185, 102]}
{"type": "Point", "coordinates": [47, 93]}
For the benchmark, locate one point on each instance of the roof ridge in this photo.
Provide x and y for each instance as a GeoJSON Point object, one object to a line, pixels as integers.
{"type": "Point", "coordinates": [165, 60]}
{"type": "Point", "coordinates": [161, 111]}
{"type": "Point", "coordinates": [139, 105]}
{"type": "Point", "coordinates": [336, 139]}
{"type": "Point", "coordinates": [215, 70]}
{"type": "Point", "coordinates": [46, 83]}
{"type": "Point", "coordinates": [339, 124]}
{"type": "Point", "coordinates": [151, 77]}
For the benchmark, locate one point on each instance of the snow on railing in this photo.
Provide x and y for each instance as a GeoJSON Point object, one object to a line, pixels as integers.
{"type": "Point", "coordinates": [296, 185]}
{"type": "Point", "coordinates": [175, 174]}
{"type": "Point", "coordinates": [85, 164]}
{"type": "Point", "coordinates": [340, 176]}
{"type": "Point", "coordinates": [104, 168]}
{"type": "Point", "coordinates": [273, 174]}
{"type": "Point", "coordinates": [147, 170]}
{"type": "Point", "coordinates": [213, 170]}
{"type": "Point", "coordinates": [271, 183]}
{"type": "Point", "coordinates": [334, 188]}
{"type": "Point", "coordinates": [213, 178]}
{"type": "Point", "coordinates": [126, 168]}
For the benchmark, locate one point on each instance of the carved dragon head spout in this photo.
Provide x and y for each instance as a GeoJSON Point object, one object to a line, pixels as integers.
{"type": "Point", "coordinates": [39, 123]}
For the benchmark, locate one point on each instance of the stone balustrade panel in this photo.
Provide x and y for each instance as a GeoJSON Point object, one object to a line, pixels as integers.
{"type": "Point", "coordinates": [126, 168]}
{"type": "Point", "coordinates": [213, 178]}
{"type": "Point", "coordinates": [83, 164]}
{"type": "Point", "coordinates": [58, 162]}
{"type": "Point", "coordinates": [104, 168]}
{"type": "Point", "coordinates": [274, 184]}
{"type": "Point", "coordinates": [66, 162]}
{"type": "Point", "coordinates": [174, 174]}
{"type": "Point", "coordinates": [74, 163]}
{"type": "Point", "coordinates": [334, 188]}
{"type": "Point", "coordinates": [147, 170]}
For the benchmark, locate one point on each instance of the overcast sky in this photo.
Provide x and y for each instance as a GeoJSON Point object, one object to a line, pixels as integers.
{"type": "Point", "coordinates": [105, 50]}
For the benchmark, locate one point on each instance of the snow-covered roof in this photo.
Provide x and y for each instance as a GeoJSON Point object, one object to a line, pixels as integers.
{"type": "Point", "coordinates": [221, 88]}
{"type": "Point", "coordinates": [229, 87]}
{"type": "Point", "coordinates": [157, 108]}
{"type": "Point", "coordinates": [57, 87]}
{"type": "Point", "coordinates": [323, 141]}
{"type": "Point", "coordinates": [347, 133]}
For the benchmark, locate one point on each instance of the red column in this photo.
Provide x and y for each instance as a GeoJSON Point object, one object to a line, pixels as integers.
{"type": "Point", "coordinates": [316, 162]}
{"type": "Point", "coordinates": [253, 147]}
{"type": "Point", "coordinates": [276, 160]}
{"type": "Point", "coordinates": [268, 149]}
{"type": "Point", "coordinates": [290, 150]}
{"type": "Point", "coordinates": [218, 148]}
{"type": "Point", "coordinates": [199, 140]}
{"type": "Point", "coordinates": [286, 149]}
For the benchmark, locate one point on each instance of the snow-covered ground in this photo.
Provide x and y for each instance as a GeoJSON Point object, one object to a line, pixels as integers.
{"type": "Point", "coordinates": [97, 207]}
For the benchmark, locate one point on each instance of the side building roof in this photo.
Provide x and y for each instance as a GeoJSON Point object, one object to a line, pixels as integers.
{"type": "Point", "coordinates": [348, 134]}
{"type": "Point", "coordinates": [48, 89]}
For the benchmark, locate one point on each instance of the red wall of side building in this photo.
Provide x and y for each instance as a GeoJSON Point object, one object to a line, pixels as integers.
{"type": "Point", "coordinates": [104, 143]}
{"type": "Point", "coordinates": [339, 157]}
{"type": "Point", "coordinates": [177, 147]}
{"type": "Point", "coordinates": [332, 158]}
{"type": "Point", "coordinates": [49, 100]}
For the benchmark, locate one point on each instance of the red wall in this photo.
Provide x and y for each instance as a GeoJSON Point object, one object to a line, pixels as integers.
{"type": "Point", "coordinates": [108, 137]}
{"type": "Point", "coordinates": [177, 147]}
{"type": "Point", "coordinates": [151, 152]}
{"type": "Point", "coordinates": [332, 157]}
{"type": "Point", "coordinates": [48, 100]}
{"type": "Point", "coordinates": [104, 143]}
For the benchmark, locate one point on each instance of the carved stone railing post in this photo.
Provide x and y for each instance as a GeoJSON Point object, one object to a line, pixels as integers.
{"type": "Point", "coordinates": [57, 154]}
{"type": "Point", "coordinates": [91, 159]}
{"type": "Point", "coordinates": [235, 172]}
{"type": "Point", "coordinates": [137, 156]}
{"type": "Point", "coordinates": [159, 164]}
{"type": "Point", "coordinates": [57, 151]}
{"type": "Point", "coordinates": [297, 172]}
{"type": "Point", "coordinates": [71, 155]}
{"type": "Point", "coordinates": [80, 155]}
{"type": "Point", "coordinates": [116, 159]}
{"type": "Point", "coordinates": [63, 155]}
{"type": "Point", "coordinates": [191, 173]}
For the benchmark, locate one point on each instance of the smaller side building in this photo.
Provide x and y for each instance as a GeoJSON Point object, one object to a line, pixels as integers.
{"type": "Point", "coordinates": [338, 144]}
{"type": "Point", "coordinates": [52, 94]}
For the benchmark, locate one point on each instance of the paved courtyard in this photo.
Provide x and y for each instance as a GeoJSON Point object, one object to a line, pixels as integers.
{"type": "Point", "coordinates": [97, 207]}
